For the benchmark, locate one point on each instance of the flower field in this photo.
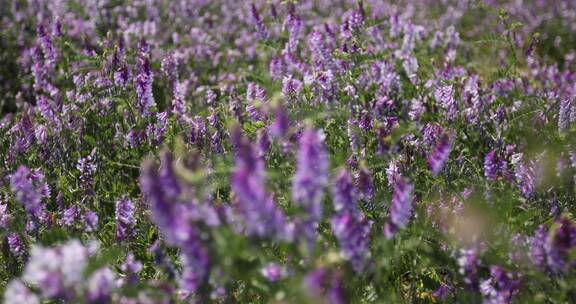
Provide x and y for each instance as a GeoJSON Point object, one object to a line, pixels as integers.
{"type": "Point", "coordinates": [283, 151]}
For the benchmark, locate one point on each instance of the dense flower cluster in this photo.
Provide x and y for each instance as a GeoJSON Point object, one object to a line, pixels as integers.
{"type": "Point", "coordinates": [287, 151]}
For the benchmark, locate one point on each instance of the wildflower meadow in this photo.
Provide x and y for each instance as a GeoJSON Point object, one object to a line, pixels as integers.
{"type": "Point", "coordinates": [287, 151]}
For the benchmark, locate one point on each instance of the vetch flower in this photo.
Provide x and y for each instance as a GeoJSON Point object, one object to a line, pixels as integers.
{"type": "Point", "coordinates": [400, 209]}
{"type": "Point", "coordinates": [491, 166]}
{"type": "Point", "coordinates": [15, 245]}
{"type": "Point", "coordinates": [144, 78]}
{"type": "Point", "coordinates": [345, 197]}
{"type": "Point", "coordinates": [440, 155]}
{"type": "Point", "coordinates": [445, 97]}
{"type": "Point", "coordinates": [125, 220]}
{"type": "Point", "coordinates": [17, 292]}
{"type": "Point", "coordinates": [311, 179]}
{"type": "Point", "coordinates": [30, 190]}
{"type": "Point", "coordinates": [257, 208]}
{"type": "Point", "coordinates": [100, 286]}
{"type": "Point", "coordinates": [352, 233]}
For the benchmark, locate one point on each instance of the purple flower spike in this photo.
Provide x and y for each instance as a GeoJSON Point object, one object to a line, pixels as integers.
{"type": "Point", "coordinates": [524, 176]}
{"type": "Point", "coordinates": [4, 215]}
{"type": "Point", "coordinates": [260, 26]}
{"type": "Point", "coordinates": [100, 286]}
{"type": "Point", "coordinates": [30, 190]}
{"type": "Point", "coordinates": [15, 245]}
{"type": "Point", "coordinates": [440, 155]}
{"type": "Point", "coordinates": [173, 220]}
{"type": "Point", "coordinates": [366, 187]}
{"type": "Point", "coordinates": [401, 208]}
{"type": "Point", "coordinates": [321, 283]}
{"type": "Point", "coordinates": [491, 166]}
{"type": "Point", "coordinates": [564, 115]}
{"type": "Point", "coordinates": [125, 220]}
{"type": "Point", "coordinates": [560, 244]}
{"type": "Point", "coordinates": [311, 180]}
{"type": "Point", "coordinates": [281, 123]}
{"type": "Point", "coordinates": [257, 208]}
{"type": "Point", "coordinates": [501, 288]}
{"type": "Point", "coordinates": [353, 237]}
{"type": "Point", "coordinates": [311, 176]}
{"type": "Point", "coordinates": [445, 97]}
{"type": "Point", "coordinates": [344, 192]}
{"type": "Point", "coordinates": [144, 79]}
{"type": "Point", "coordinates": [291, 88]}
{"type": "Point", "coordinates": [468, 262]}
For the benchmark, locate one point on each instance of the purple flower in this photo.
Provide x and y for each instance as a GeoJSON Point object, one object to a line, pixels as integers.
{"type": "Point", "coordinates": [30, 190]}
{"type": "Point", "coordinates": [101, 284]}
{"type": "Point", "coordinates": [257, 208]}
{"type": "Point", "coordinates": [311, 176]}
{"type": "Point", "coordinates": [344, 194]}
{"type": "Point", "coordinates": [440, 155]}
{"type": "Point", "coordinates": [319, 50]}
{"type": "Point", "coordinates": [353, 237]}
{"type": "Point", "coordinates": [17, 292]}
{"type": "Point", "coordinates": [69, 216]}
{"type": "Point", "coordinates": [216, 140]}
{"type": "Point", "coordinates": [445, 97]}
{"type": "Point", "coordinates": [260, 26]}
{"type": "Point", "coordinates": [125, 220]}
{"type": "Point", "coordinates": [524, 177]}
{"type": "Point", "coordinates": [57, 272]}
{"type": "Point", "coordinates": [293, 25]}
{"type": "Point", "coordinates": [365, 186]}
{"type": "Point", "coordinates": [263, 141]}
{"type": "Point", "coordinates": [538, 247]}
{"type": "Point", "coordinates": [122, 76]}
{"type": "Point", "coordinates": [15, 245]}
{"type": "Point", "coordinates": [173, 220]}
{"type": "Point", "coordinates": [442, 292]}
{"type": "Point", "coordinates": [291, 88]}
{"type": "Point", "coordinates": [46, 109]}
{"type": "Point", "coordinates": [320, 283]}
{"type": "Point", "coordinates": [131, 267]}
{"type": "Point", "coordinates": [87, 167]}
{"type": "Point", "coordinates": [491, 166]}
{"type": "Point", "coordinates": [501, 288]}
{"type": "Point", "coordinates": [155, 132]}
{"type": "Point", "coordinates": [47, 46]}
{"type": "Point", "coordinates": [276, 68]}
{"type": "Point", "coordinates": [195, 264]}
{"type": "Point", "coordinates": [468, 262]}
{"type": "Point", "coordinates": [178, 102]}
{"type": "Point", "coordinates": [197, 131]}
{"type": "Point", "coordinates": [311, 180]}
{"type": "Point", "coordinates": [256, 95]}
{"type": "Point", "coordinates": [560, 244]}
{"type": "Point", "coordinates": [393, 172]}
{"type": "Point", "coordinates": [90, 219]}
{"type": "Point", "coordinates": [4, 215]}
{"type": "Point", "coordinates": [564, 115]}
{"type": "Point", "coordinates": [144, 79]}
{"type": "Point", "coordinates": [170, 68]}
{"type": "Point", "coordinates": [281, 123]}
{"type": "Point", "coordinates": [273, 272]}
{"type": "Point", "coordinates": [161, 189]}
{"type": "Point", "coordinates": [400, 209]}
